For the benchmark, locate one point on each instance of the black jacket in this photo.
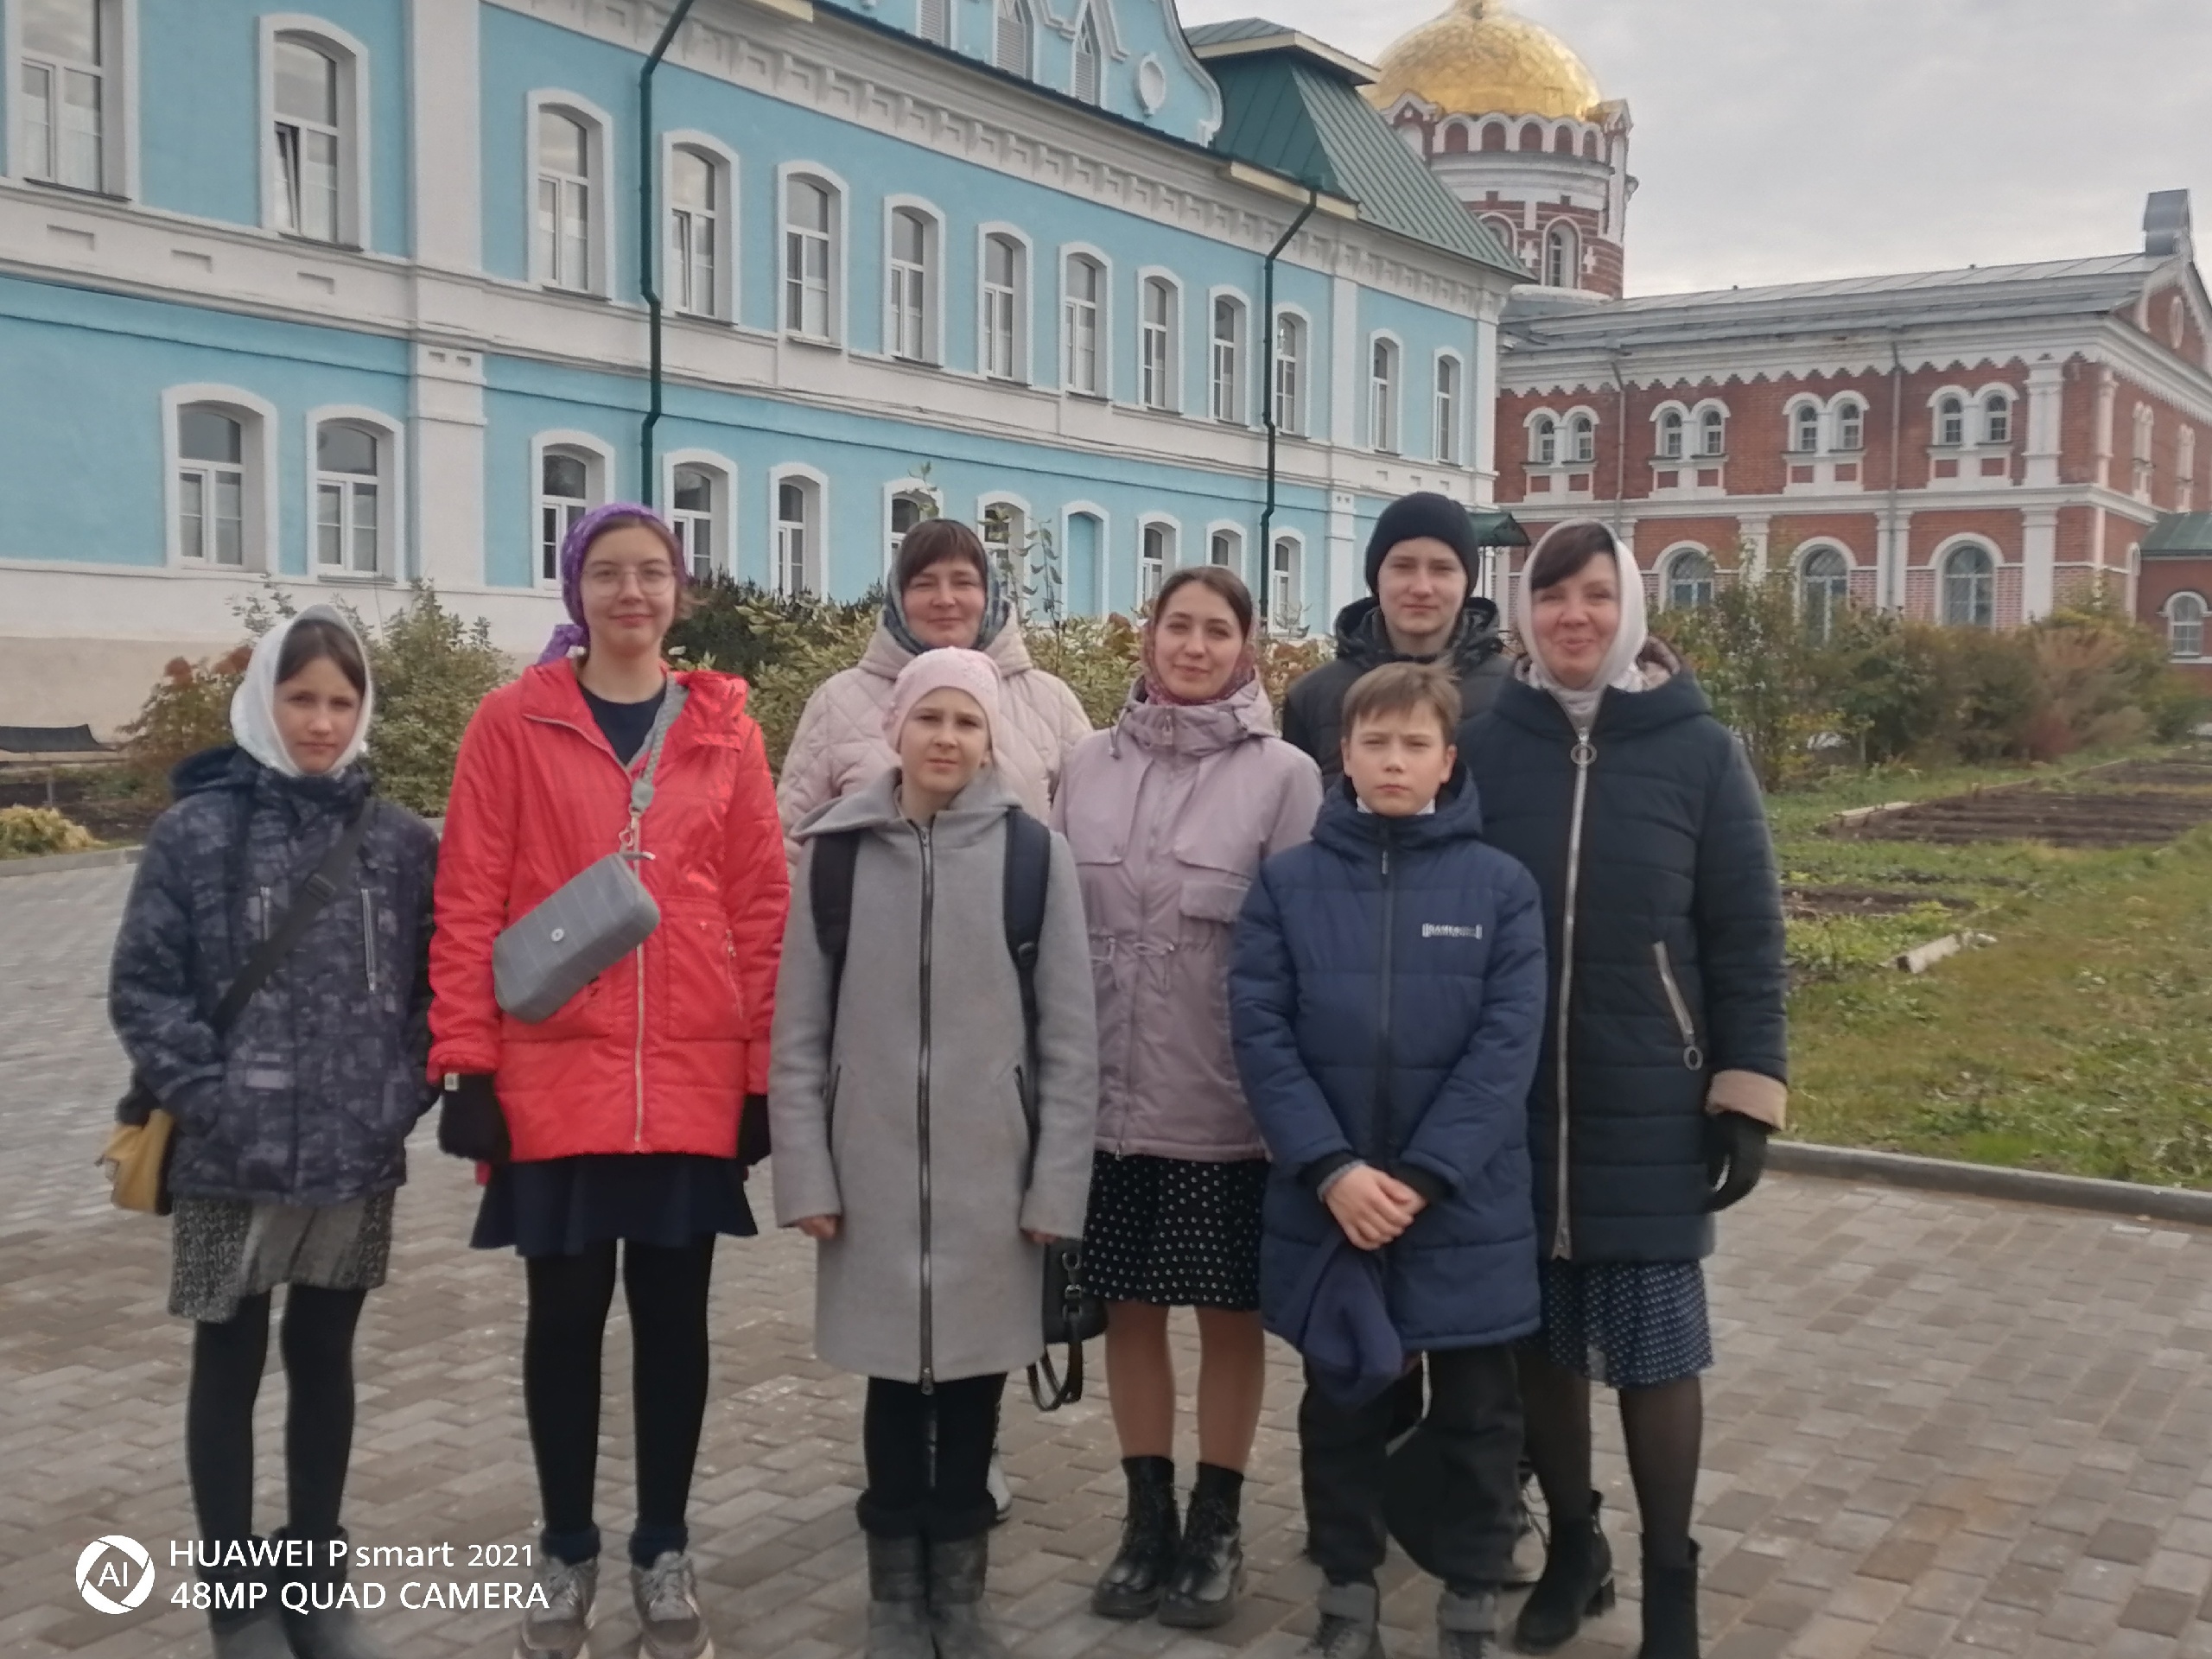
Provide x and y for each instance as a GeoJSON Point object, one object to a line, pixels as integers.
{"type": "Point", "coordinates": [1675, 971]}
{"type": "Point", "coordinates": [308, 1098]}
{"type": "Point", "coordinates": [1313, 712]}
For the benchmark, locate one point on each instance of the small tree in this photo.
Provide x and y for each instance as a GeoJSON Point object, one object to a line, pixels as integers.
{"type": "Point", "coordinates": [1758, 662]}
{"type": "Point", "coordinates": [431, 670]}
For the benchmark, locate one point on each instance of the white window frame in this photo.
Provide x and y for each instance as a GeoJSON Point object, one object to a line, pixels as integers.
{"type": "Point", "coordinates": [599, 228]}
{"type": "Point", "coordinates": [598, 457]}
{"type": "Point", "coordinates": [1022, 59]}
{"type": "Point", "coordinates": [1680, 433]}
{"type": "Point", "coordinates": [1022, 528]}
{"type": "Point", "coordinates": [1450, 418]}
{"type": "Point", "coordinates": [1301, 376]}
{"type": "Point", "coordinates": [1149, 580]}
{"type": "Point", "coordinates": [816, 558]}
{"type": "Point", "coordinates": [729, 169]}
{"type": "Point", "coordinates": [840, 200]}
{"type": "Point", "coordinates": [2171, 611]}
{"type": "Point", "coordinates": [1846, 412]}
{"type": "Point", "coordinates": [1982, 437]}
{"type": "Point", "coordinates": [1086, 31]}
{"type": "Point", "coordinates": [354, 152]}
{"type": "Point", "coordinates": [1673, 557]}
{"type": "Point", "coordinates": [1275, 585]}
{"type": "Point", "coordinates": [1018, 305]}
{"type": "Point", "coordinates": [1227, 529]}
{"type": "Point", "coordinates": [722, 473]}
{"type": "Point", "coordinates": [1841, 597]}
{"type": "Point", "coordinates": [1386, 394]}
{"type": "Point", "coordinates": [257, 514]}
{"type": "Point", "coordinates": [1101, 333]}
{"type": "Point", "coordinates": [893, 491]}
{"type": "Point", "coordinates": [1797, 428]}
{"type": "Point", "coordinates": [931, 278]}
{"type": "Point", "coordinates": [1226, 396]}
{"type": "Point", "coordinates": [1938, 418]}
{"type": "Point", "coordinates": [1699, 426]}
{"type": "Point", "coordinates": [1577, 423]}
{"type": "Point", "coordinates": [392, 505]}
{"type": "Point", "coordinates": [1562, 234]}
{"type": "Point", "coordinates": [118, 73]}
{"type": "Point", "coordinates": [1543, 427]}
{"type": "Point", "coordinates": [1945, 554]}
{"type": "Point", "coordinates": [1170, 400]}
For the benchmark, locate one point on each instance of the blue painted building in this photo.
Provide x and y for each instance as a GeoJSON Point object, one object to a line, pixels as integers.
{"type": "Point", "coordinates": [339, 297]}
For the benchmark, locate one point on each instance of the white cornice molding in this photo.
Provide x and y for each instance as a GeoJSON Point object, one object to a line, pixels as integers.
{"type": "Point", "coordinates": [1870, 503]}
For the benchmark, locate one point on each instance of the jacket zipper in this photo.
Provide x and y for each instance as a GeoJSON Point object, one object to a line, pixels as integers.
{"type": "Point", "coordinates": [1692, 1056]}
{"type": "Point", "coordinates": [262, 921]}
{"type": "Point", "coordinates": [369, 938]}
{"type": "Point", "coordinates": [1381, 1151]}
{"type": "Point", "coordinates": [1584, 756]}
{"type": "Point", "coordinates": [922, 1113]}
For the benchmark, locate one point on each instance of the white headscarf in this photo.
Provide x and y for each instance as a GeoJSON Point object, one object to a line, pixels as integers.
{"type": "Point", "coordinates": [253, 705]}
{"type": "Point", "coordinates": [1618, 667]}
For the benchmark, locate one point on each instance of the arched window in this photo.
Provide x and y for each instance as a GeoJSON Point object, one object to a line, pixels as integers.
{"type": "Point", "coordinates": [913, 285]}
{"type": "Point", "coordinates": [1805, 429]}
{"type": "Point", "coordinates": [68, 91]}
{"type": "Point", "coordinates": [1383, 396]}
{"type": "Point", "coordinates": [1455, 139]}
{"type": "Point", "coordinates": [1561, 268]}
{"type": "Point", "coordinates": [1950, 422]}
{"type": "Point", "coordinates": [1563, 142]}
{"type": "Point", "coordinates": [1543, 441]}
{"type": "Point", "coordinates": [567, 200]}
{"type": "Point", "coordinates": [1997, 418]}
{"type": "Point", "coordinates": [211, 445]}
{"type": "Point", "coordinates": [2185, 626]}
{"type": "Point", "coordinates": [1850, 425]}
{"type": "Point", "coordinates": [348, 505]}
{"type": "Point", "coordinates": [1969, 587]}
{"type": "Point", "coordinates": [1583, 431]}
{"type": "Point", "coordinates": [1713, 434]}
{"type": "Point", "coordinates": [1010, 37]}
{"type": "Point", "coordinates": [1493, 134]}
{"type": "Point", "coordinates": [1689, 580]}
{"type": "Point", "coordinates": [1286, 582]}
{"type": "Point", "coordinates": [1156, 345]}
{"type": "Point", "coordinates": [809, 257]}
{"type": "Point", "coordinates": [1532, 137]}
{"type": "Point", "coordinates": [567, 488]}
{"type": "Point", "coordinates": [1006, 307]}
{"type": "Point", "coordinates": [312, 104]}
{"type": "Point", "coordinates": [1670, 435]}
{"type": "Point", "coordinates": [1005, 529]}
{"type": "Point", "coordinates": [1082, 323]}
{"type": "Point", "coordinates": [1447, 410]}
{"type": "Point", "coordinates": [908, 508]}
{"type": "Point", "coordinates": [1227, 361]}
{"type": "Point", "coordinates": [696, 203]}
{"type": "Point", "coordinates": [1507, 238]}
{"type": "Point", "coordinates": [691, 511]}
{"type": "Point", "coordinates": [1590, 147]}
{"type": "Point", "coordinates": [1086, 82]}
{"type": "Point", "coordinates": [1155, 557]}
{"type": "Point", "coordinates": [1290, 374]}
{"type": "Point", "coordinates": [1225, 547]}
{"type": "Point", "coordinates": [799, 535]}
{"type": "Point", "coordinates": [1823, 589]}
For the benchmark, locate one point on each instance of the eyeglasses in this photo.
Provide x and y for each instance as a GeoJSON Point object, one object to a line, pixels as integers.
{"type": "Point", "coordinates": [611, 578]}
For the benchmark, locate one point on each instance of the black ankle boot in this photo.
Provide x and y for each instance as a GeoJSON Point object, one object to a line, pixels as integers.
{"type": "Point", "coordinates": [1669, 1611]}
{"type": "Point", "coordinates": [1577, 1583]}
{"type": "Point", "coordinates": [1201, 1592]}
{"type": "Point", "coordinates": [1131, 1586]}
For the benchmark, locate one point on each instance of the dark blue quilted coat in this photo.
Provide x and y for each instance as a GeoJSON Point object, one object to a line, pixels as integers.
{"type": "Point", "coordinates": [1385, 991]}
{"type": "Point", "coordinates": [1677, 882]}
{"type": "Point", "coordinates": [310, 1096]}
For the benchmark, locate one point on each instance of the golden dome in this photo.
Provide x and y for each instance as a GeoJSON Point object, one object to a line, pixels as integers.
{"type": "Point", "coordinates": [1479, 58]}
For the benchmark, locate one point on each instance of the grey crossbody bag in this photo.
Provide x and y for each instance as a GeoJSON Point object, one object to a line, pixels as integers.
{"type": "Point", "coordinates": [592, 920]}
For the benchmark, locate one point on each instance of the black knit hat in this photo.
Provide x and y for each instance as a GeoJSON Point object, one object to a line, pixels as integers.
{"type": "Point", "coordinates": [1423, 513]}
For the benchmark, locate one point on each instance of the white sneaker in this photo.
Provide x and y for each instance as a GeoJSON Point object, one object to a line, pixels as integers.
{"type": "Point", "coordinates": [562, 1629]}
{"type": "Point", "coordinates": [1001, 1494]}
{"type": "Point", "coordinates": [670, 1623]}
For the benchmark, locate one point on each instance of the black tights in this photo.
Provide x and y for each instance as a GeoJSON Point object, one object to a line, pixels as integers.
{"type": "Point", "coordinates": [929, 1456]}
{"type": "Point", "coordinates": [1663, 1428]}
{"type": "Point", "coordinates": [317, 1345]}
{"type": "Point", "coordinates": [566, 1328]}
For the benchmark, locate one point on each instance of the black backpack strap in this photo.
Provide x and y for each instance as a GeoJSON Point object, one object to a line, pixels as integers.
{"type": "Point", "coordinates": [319, 888]}
{"type": "Point", "coordinates": [1028, 874]}
{"type": "Point", "coordinates": [830, 894]}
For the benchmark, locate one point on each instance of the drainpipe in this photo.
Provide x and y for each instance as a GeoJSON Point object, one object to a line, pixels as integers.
{"type": "Point", "coordinates": [1893, 576]}
{"type": "Point", "coordinates": [1620, 445]}
{"type": "Point", "coordinates": [1268, 392]}
{"type": "Point", "coordinates": [648, 244]}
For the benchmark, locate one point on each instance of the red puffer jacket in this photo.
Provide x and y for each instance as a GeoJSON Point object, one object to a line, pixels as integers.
{"type": "Point", "coordinates": [657, 1053]}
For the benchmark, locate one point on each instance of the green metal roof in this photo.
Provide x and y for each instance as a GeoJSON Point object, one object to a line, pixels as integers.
{"type": "Point", "coordinates": [2179, 535]}
{"type": "Point", "coordinates": [1494, 527]}
{"type": "Point", "coordinates": [1295, 113]}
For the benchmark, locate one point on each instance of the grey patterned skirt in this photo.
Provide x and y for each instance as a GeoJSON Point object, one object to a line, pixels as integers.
{"type": "Point", "coordinates": [226, 1249]}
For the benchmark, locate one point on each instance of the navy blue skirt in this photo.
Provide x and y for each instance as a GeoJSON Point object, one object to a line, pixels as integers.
{"type": "Point", "coordinates": [561, 1206]}
{"type": "Point", "coordinates": [1633, 1325]}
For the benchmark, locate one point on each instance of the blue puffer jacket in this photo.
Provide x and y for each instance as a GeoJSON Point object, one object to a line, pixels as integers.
{"type": "Point", "coordinates": [1385, 996]}
{"type": "Point", "coordinates": [1675, 983]}
{"type": "Point", "coordinates": [309, 1097]}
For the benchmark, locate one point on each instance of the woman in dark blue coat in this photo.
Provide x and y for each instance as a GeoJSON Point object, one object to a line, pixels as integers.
{"type": "Point", "coordinates": [1603, 770]}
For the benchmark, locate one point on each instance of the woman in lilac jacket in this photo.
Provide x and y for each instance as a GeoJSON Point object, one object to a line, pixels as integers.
{"type": "Point", "coordinates": [1170, 812]}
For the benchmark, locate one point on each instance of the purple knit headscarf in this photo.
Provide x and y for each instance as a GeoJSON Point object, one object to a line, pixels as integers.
{"type": "Point", "coordinates": [582, 535]}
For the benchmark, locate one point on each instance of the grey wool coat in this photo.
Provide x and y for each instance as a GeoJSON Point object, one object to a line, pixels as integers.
{"type": "Point", "coordinates": [906, 1123]}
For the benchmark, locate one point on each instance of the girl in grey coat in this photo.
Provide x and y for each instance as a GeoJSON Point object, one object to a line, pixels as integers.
{"type": "Point", "coordinates": [902, 1144]}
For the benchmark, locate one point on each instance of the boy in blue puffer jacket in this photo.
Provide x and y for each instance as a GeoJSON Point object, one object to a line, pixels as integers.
{"type": "Point", "coordinates": [1386, 997]}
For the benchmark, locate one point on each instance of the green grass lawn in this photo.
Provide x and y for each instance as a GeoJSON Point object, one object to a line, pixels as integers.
{"type": "Point", "coordinates": [2081, 1041]}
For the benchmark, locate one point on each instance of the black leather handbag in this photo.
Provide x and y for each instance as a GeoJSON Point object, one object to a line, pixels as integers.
{"type": "Point", "coordinates": [1072, 1316]}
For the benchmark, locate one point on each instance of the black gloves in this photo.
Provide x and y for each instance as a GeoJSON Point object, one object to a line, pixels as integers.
{"type": "Point", "coordinates": [470, 1122]}
{"type": "Point", "coordinates": [1735, 1157]}
{"type": "Point", "coordinates": [752, 1131]}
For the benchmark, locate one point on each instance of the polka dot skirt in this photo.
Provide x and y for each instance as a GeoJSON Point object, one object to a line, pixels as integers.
{"type": "Point", "coordinates": [1174, 1232]}
{"type": "Point", "coordinates": [1633, 1325]}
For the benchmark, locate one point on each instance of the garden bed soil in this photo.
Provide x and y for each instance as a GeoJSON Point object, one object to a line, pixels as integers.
{"type": "Point", "coordinates": [2110, 817]}
{"type": "Point", "coordinates": [85, 795]}
{"type": "Point", "coordinates": [2170, 771]}
{"type": "Point", "coordinates": [1805, 903]}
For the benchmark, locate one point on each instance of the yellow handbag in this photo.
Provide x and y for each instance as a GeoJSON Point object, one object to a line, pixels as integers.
{"type": "Point", "coordinates": [135, 1159]}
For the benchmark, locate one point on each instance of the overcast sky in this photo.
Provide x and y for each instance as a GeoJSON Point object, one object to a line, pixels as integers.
{"type": "Point", "coordinates": [1784, 140]}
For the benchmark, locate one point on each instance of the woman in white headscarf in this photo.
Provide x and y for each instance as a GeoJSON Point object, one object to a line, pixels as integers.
{"type": "Point", "coordinates": [291, 1118]}
{"type": "Point", "coordinates": [1603, 770]}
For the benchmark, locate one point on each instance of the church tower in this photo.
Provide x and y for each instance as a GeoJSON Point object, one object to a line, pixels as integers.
{"type": "Point", "coordinates": [1512, 122]}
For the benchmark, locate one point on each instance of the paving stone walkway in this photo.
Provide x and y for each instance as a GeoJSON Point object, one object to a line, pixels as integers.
{"type": "Point", "coordinates": [1938, 1426]}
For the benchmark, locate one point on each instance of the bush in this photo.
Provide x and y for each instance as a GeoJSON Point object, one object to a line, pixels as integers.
{"type": "Point", "coordinates": [188, 710]}
{"type": "Point", "coordinates": [30, 831]}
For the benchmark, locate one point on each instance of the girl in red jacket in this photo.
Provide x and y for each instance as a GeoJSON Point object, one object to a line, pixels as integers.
{"type": "Point", "coordinates": [614, 1122]}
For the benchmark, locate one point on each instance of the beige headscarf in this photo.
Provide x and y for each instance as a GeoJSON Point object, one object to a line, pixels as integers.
{"type": "Point", "coordinates": [253, 705]}
{"type": "Point", "coordinates": [1619, 668]}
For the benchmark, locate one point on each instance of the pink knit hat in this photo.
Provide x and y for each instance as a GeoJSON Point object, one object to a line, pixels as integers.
{"type": "Point", "coordinates": [934, 670]}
